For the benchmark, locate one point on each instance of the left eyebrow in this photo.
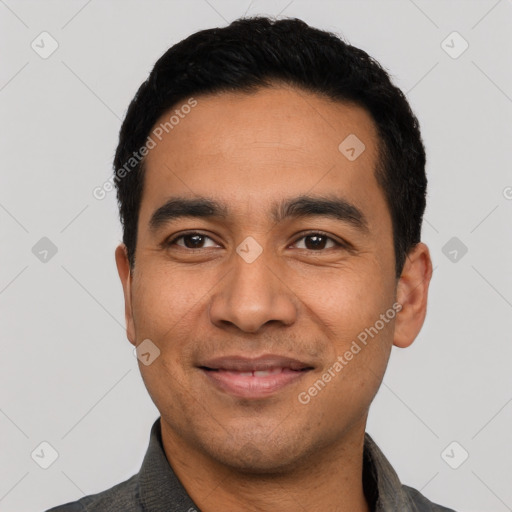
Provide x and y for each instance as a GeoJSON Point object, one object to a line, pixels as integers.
{"type": "Point", "coordinates": [302, 206]}
{"type": "Point", "coordinates": [334, 207]}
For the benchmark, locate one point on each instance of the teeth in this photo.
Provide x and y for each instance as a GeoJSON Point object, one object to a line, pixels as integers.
{"type": "Point", "coordinates": [258, 373]}
{"type": "Point", "coordinates": [264, 373]}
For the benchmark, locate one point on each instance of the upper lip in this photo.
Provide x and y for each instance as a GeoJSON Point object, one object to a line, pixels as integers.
{"type": "Point", "coordinates": [247, 364]}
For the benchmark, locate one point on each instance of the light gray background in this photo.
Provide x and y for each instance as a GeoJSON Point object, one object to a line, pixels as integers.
{"type": "Point", "coordinates": [68, 374]}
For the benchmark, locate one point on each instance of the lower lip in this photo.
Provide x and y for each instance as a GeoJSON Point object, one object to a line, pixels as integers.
{"type": "Point", "coordinates": [252, 386]}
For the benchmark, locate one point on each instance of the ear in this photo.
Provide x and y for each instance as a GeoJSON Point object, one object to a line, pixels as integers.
{"type": "Point", "coordinates": [123, 269]}
{"type": "Point", "coordinates": [412, 294]}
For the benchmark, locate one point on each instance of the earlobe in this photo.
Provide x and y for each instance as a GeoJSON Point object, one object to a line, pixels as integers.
{"type": "Point", "coordinates": [412, 294]}
{"type": "Point", "coordinates": [123, 269]}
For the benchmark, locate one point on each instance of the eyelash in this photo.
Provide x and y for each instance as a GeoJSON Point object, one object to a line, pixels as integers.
{"type": "Point", "coordinates": [338, 245]}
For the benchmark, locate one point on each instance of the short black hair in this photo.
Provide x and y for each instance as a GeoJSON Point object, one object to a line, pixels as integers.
{"type": "Point", "coordinates": [256, 52]}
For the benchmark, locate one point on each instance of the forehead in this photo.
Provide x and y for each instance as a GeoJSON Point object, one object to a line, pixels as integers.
{"type": "Point", "coordinates": [249, 149]}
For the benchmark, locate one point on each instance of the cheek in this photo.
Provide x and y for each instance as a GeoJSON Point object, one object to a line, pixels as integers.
{"type": "Point", "coordinates": [351, 377]}
{"type": "Point", "coordinates": [345, 300]}
{"type": "Point", "coordinates": [168, 389]}
{"type": "Point", "coordinates": [348, 308]}
{"type": "Point", "coordinates": [165, 301]}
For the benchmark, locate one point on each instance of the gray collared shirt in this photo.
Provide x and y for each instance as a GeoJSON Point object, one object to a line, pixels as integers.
{"type": "Point", "coordinates": [155, 488]}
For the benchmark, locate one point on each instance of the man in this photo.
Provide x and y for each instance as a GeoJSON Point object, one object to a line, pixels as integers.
{"type": "Point", "coordinates": [271, 185]}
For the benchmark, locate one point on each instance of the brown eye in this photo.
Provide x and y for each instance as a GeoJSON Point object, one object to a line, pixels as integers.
{"type": "Point", "coordinates": [190, 241]}
{"type": "Point", "coordinates": [318, 241]}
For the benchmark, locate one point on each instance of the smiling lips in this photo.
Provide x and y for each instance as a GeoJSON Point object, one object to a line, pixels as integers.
{"type": "Point", "coordinates": [253, 378]}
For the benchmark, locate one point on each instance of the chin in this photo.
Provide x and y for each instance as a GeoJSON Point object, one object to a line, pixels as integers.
{"type": "Point", "coordinates": [252, 461]}
{"type": "Point", "coordinates": [259, 456]}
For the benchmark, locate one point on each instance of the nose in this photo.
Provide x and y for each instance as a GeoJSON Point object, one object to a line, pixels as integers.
{"type": "Point", "coordinates": [251, 296]}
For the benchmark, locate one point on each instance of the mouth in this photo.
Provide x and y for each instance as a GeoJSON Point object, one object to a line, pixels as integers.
{"type": "Point", "coordinates": [253, 378]}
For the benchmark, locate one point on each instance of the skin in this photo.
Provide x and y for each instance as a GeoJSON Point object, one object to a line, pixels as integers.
{"type": "Point", "coordinates": [249, 150]}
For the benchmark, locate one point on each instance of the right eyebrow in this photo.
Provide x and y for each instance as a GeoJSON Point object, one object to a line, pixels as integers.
{"type": "Point", "coordinates": [178, 207]}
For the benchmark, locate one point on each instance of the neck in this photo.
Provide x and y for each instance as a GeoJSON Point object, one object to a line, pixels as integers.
{"type": "Point", "coordinates": [331, 479]}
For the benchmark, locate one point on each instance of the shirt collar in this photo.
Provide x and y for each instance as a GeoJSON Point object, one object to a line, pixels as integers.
{"type": "Point", "coordinates": [159, 487]}
{"type": "Point", "coordinates": [160, 490]}
{"type": "Point", "coordinates": [382, 486]}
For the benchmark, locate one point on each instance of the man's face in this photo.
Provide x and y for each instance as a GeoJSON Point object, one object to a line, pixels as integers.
{"type": "Point", "coordinates": [249, 288]}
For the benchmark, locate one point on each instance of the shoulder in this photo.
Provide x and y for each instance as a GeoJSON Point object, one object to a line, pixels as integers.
{"type": "Point", "coordinates": [422, 504]}
{"type": "Point", "coordinates": [121, 497]}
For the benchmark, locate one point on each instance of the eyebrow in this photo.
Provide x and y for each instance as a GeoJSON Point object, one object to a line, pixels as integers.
{"type": "Point", "coordinates": [297, 207]}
